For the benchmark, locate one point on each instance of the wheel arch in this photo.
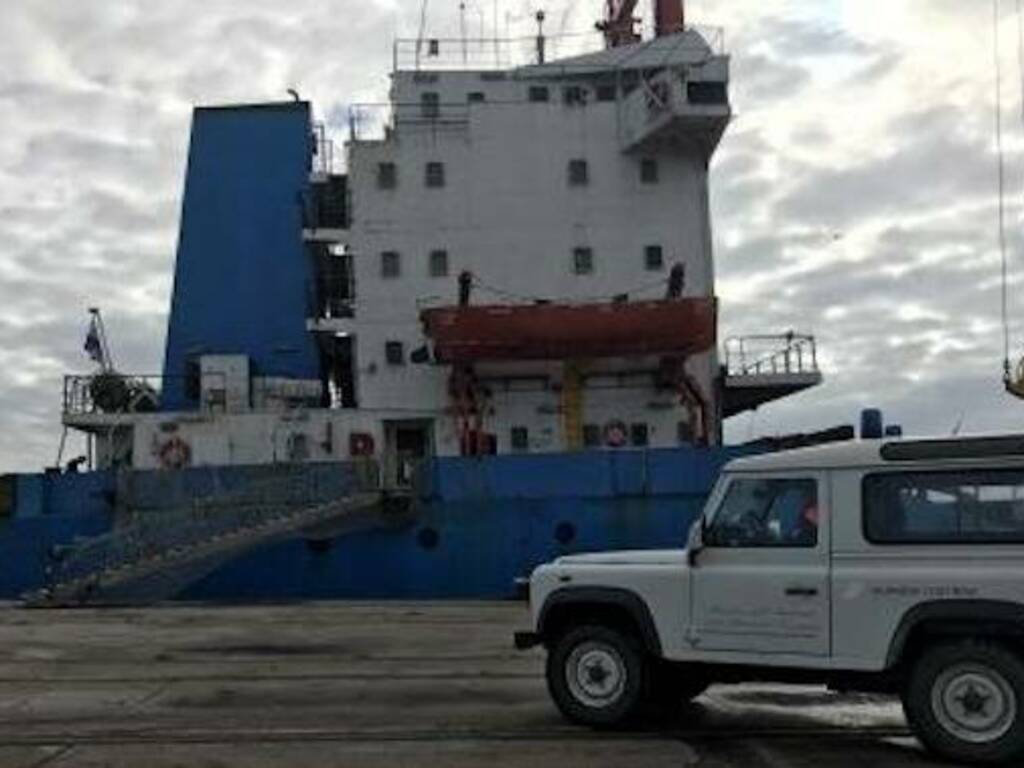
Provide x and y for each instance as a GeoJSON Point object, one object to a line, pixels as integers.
{"type": "Point", "coordinates": [954, 618]}
{"type": "Point", "coordinates": [622, 608]}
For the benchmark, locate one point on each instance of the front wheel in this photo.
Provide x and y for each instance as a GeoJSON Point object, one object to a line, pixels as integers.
{"type": "Point", "coordinates": [596, 676]}
{"type": "Point", "coordinates": [965, 701]}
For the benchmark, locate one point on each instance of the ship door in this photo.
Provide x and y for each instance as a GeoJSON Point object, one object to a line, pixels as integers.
{"type": "Point", "coordinates": [406, 445]}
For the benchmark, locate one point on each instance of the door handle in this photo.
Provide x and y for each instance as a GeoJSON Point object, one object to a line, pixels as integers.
{"type": "Point", "coordinates": [801, 592]}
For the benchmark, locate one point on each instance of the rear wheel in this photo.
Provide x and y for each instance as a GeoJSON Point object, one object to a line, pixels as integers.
{"type": "Point", "coordinates": [965, 701]}
{"type": "Point", "coordinates": [596, 675]}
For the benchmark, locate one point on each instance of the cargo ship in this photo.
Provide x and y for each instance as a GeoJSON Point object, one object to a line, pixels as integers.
{"type": "Point", "coordinates": [485, 336]}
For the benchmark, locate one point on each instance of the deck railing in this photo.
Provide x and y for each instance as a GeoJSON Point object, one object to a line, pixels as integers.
{"type": "Point", "coordinates": [771, 355]}
{"type": "Point", "coordinates": [493, 53]}
{"type": "Point", "coordinates": [112, 392]}
{"type": "Point", "coordinates": [375, 121]}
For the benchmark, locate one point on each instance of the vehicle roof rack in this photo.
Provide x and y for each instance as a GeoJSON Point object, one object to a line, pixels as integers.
{"type": "Point", "coordinates": [956, 448]}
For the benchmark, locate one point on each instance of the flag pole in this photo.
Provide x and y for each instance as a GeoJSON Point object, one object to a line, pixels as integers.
{"type": "Point", "coordinates": [108, 362]}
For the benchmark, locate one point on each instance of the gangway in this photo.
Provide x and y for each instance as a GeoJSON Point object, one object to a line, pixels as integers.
{"type": "Point", "coordinates": [156, 555]}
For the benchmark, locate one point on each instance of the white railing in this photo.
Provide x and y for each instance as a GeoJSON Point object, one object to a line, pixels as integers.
{"type": "Point", "coordinates": [771, 355]}
{"type": "Point", "coordinates": [371, 122]}
{"type": "Point", "coordinates": [495, 53]}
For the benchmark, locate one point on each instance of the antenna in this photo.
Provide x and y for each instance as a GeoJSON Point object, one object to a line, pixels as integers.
{"type": "Point", "coordinates": [419, 35]}
{"type": "Point", "coordinates": [540, 36]}
{"type": "Point", "coordinates": [462, 28]}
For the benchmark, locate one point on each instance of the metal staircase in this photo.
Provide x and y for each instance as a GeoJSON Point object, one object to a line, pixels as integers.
{"type": "Point", "coordinates": [153, 556]}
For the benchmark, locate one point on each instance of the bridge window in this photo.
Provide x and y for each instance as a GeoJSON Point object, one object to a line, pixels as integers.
{"type": "Point", "coordinates": [583, 261]}
{"type": "Point", "coordinates": [387, 176]}
{"type": "Point", "coordinates": [434, 175]}
{"type": "Point", "coordinates": [439, 263]}
{"type": "Point", "coordinates": [430, 105]}
{"type": "Point", "coordinates": [654, 258]}
{"type": "Point", "coordinates": [579, 175]}
{"type": "Point", "coordinates": [591, 436]}
{"type": "Point", "coordinates": [574, 95]}
{"type": "Point", "coordinates": [639, 435]}
{"type": "Point", "coordinates": [648, 171]}
{"type": "Point", "coordinates": [476, 97]}
{"type": "Point", "coordinates": [390, 264]}
{"type": "Point", "coordinates": [394, 353]}
{"type": "Point", "coordinates": [707, 93]}
{"type": "Point", "coordinates": [606, 93]}
{"type": "Point", "coordinates": [520, 439]}
{"type": "Point", "coordinates": [538, 93]}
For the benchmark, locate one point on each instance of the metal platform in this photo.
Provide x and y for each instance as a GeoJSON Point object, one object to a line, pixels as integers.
{"type": "Point", "coordinates": [762, 369]}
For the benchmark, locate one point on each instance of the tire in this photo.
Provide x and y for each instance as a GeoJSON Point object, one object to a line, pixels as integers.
{"type": "Point", "coordinates": [965, 702]}
{"type": "Point", "coordinates": [597, 676]}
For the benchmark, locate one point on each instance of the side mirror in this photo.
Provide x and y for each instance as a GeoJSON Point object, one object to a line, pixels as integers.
{"type": "Point", "coordinates": [695, 542]}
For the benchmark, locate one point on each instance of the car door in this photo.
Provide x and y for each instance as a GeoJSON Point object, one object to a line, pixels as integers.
{"type": "Point", "coordinates": [761, 582]}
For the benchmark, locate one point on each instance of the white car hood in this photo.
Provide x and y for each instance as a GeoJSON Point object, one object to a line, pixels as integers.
{"type": "Point", "coordinates": [634, 557]}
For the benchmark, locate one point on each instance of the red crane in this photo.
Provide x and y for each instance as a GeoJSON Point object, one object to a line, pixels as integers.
{"type": "Point", "coordinates": [619, 25]}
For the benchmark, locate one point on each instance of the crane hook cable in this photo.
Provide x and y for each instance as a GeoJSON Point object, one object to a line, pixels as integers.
{"type": "Point", "coordinates": [1002, 190]}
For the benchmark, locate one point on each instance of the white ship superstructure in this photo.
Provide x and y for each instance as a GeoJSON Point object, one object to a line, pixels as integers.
{"type": "Point", "coordinates": [517, 259]}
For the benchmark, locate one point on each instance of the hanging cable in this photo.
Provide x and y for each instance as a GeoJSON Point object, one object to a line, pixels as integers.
{"type": "Point", "coordinates": [1020, 52]}
{"type": "Point", "coordinates": [1002, 189]}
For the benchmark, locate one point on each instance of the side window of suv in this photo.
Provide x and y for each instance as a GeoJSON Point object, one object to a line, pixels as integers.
{"type": "Point", "coordinates": [967, 507]}
{"type": "Point", "coordinates": [766, 513]}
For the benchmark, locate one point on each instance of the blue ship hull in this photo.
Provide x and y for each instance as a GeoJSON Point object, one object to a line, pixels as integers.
{"type": "Point", "coordinates": [479, 524]}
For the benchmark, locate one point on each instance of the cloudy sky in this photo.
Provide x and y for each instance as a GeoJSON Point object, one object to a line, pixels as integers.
{"type": "Point", "coordinates": [854, 196]}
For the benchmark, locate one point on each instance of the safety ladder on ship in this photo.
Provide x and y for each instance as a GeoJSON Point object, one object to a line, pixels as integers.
{"type": "Point", "coordinates": [158, 554]}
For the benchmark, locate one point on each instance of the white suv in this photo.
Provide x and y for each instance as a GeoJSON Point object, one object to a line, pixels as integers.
{"type": "Point", "coordinates": [892, 566]}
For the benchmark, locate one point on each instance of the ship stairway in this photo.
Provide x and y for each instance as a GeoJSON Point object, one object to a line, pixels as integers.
{"type": "Point", "coordinates": [154, 556]}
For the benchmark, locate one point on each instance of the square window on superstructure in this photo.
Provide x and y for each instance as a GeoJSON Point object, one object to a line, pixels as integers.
{"type": "Point", "coordinates": [476, 97]}
{"type": "Point", "coordinates": [519, 437]}
{"type": "Point", "coordinates": [591, 436]}
{"type": "Point", "coordinates": [579, 174]}
{"type": "Point", "coordinates": [387, 176]}
{"type": "Point", "coordinates": [606, 92]}
{"type": "Point", "coordinates": [654, 258]}
{"type": "Point", "coordinates": [430, 105]}
{"type": "Point", "coordinates": [574, 95]}
{"type": "Point", "coordinates": [394, 353]}
{"type": "Point", "coordinates": [434, 175]}
{"type": "Point", "coordinates": [538, 93]}
{"type": "Point", "coordinates": [583, 261]}
{"type": "Point", "coordinates": [639, 436]}
{"type": "Point", "coordinates": [390, 264]}
{"type": "Point", "coordinates": [649, 171]}
{"type": "Point", "coordinates": [438, 264]}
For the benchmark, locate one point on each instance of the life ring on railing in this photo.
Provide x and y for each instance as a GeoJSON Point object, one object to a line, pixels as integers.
{"type": "Point", "coordinates": [175, 454]}
{"type": "Point", "coordinates": [361, 444]}
{"type": "Point", "coordinates": [615, 434]}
